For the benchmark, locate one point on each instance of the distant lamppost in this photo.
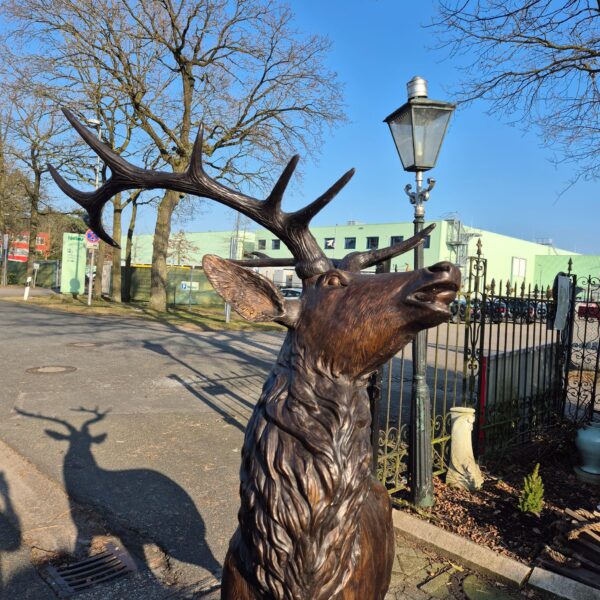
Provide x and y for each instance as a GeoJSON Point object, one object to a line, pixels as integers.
{"type": "Point", "coordinates": [418, 128]}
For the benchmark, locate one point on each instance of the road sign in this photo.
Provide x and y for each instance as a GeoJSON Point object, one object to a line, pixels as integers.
{"type": "Point", "coordinates": [91, 239]}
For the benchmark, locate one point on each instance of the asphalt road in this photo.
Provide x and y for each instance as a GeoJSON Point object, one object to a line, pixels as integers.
{"type": "Point", "coordinates": [165, 410]}
{"type": "Point", "coordinates": [143, 423]}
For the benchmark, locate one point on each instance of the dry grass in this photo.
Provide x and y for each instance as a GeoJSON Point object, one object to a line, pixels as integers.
{"type": "Point", "coordinates": [201, 318]}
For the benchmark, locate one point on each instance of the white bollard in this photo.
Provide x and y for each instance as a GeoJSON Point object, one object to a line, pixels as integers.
{"type": "Point", "coordinates": [27, 287]}
{"type": "Point", "coordinates": [463, 471]}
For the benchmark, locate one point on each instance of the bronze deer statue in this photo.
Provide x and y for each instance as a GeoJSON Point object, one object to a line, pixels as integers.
{"type": "Point", "coordinates": [313, 524]}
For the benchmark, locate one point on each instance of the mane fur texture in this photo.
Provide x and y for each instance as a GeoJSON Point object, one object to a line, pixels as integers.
{"type": "Point", "coordinates": [304, 477]}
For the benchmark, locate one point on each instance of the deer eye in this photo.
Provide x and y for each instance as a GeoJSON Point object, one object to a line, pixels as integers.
{"type": "Point", "coordinates": [333, 280]}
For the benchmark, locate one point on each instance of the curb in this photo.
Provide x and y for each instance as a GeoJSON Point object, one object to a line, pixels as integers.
{"type": "Point", "coordinates": [488, 562]}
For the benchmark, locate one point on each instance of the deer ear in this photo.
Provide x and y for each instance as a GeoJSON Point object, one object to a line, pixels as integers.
{"type": "Point", "coordinates": [56, 435]}
{"type": "Point", "coordinates": [253, 296]}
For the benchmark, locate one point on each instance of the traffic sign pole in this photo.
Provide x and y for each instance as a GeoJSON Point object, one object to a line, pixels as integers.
{"type": "Point", "coordinates": [92, 241]}
{"type": "Point", "coordinates": [91, 278]}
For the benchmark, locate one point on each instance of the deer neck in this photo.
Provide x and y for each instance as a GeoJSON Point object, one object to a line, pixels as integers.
{"type": "Point", "coordinates": [79, 456]}
{"type": "Point", "coordinates": [305, 474]}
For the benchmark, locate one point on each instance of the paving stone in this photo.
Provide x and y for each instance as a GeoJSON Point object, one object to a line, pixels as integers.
{"type": "Point", "coordinates": [478, 589]}
{"type": "Point", "coordinates": [437, 587]}
{"type": "Point", "coordinates": [410, 565]}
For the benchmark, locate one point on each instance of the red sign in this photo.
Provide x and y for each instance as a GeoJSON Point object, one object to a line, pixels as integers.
{"type": "Point", "coordinates": [18, 246]}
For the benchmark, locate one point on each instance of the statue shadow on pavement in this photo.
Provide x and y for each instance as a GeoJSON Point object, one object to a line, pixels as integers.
{"type": "Point", "coordinates": [138, 506]}
{"type": "Point", "coordinates": [10, 527]}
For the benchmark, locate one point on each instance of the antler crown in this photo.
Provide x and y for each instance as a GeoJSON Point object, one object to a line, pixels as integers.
{"type": "Point", "coordinates": [292, 228]}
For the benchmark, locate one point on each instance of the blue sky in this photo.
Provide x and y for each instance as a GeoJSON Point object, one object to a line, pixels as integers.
{"type": "Point", "coordinates": [493, 175]}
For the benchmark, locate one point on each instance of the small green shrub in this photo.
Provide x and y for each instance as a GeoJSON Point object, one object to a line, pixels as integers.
{"type": "Point", "coordinates": [532, 496]}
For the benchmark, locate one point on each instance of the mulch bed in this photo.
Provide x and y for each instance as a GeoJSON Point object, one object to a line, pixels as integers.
{"type": "Point", "coordinates": [491, 517]}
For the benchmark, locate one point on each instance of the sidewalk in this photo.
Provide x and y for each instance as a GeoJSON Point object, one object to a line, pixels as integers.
{"type": "Point", "coordinates": [16, 291]}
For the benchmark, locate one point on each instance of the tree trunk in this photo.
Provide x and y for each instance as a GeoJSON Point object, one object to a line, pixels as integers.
{"type": "Point", "coordinates": [158, 287]}
{"type": "Point", "coordinates": [34, 218]}
{"type": "Point", "coordinates": [128, 246]}
{"type": "Point", "coordinates": [116, 256]}
{"type": "Point", "coordinates": [99, 260]}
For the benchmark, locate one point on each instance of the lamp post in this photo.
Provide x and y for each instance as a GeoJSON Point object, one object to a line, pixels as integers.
{"type": "Point", "coordinates": [418, 128]}
{"type": "Point", "coordinates": [94, 123]}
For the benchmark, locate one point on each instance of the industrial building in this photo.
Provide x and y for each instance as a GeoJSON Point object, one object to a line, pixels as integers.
{"type": "Point", "coordinates": [508, 258]}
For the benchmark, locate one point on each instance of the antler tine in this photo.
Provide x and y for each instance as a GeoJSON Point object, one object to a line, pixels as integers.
{"type": "Point", "coordinates": [273, 202]}
{"type": "Point", "coordinates": [356, 261]}
{"type": "Point", "coordinates": [98, 414]}
{"type": "Point", "coordinates": [304, 215]}
{"type": "Point", "coordinates": [265, 261]}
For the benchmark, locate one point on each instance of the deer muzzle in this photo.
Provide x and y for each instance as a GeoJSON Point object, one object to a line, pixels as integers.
{"type": "Point", "coordinates": [437, 287]}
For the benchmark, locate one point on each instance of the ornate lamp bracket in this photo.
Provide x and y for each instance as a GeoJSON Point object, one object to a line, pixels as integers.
{"type": "Point", "coordinates": [420, 195]}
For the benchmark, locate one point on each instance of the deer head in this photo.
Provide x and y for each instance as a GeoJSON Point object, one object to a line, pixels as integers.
{"type": "Point", "coordinates": [76, 437]}
{"type": "Point", "coordinates": [349, 321]}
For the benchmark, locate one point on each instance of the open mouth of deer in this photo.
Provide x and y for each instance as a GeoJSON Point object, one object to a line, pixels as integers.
{"type": "Point", "coordinates": [436, 295]}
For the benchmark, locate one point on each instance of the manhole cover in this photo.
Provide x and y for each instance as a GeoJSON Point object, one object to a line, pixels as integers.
{"type": "Point", "coordinates": [51, 369]}
{"type": "Point", "coordinates": [84, 344]}
{"type": "Point", "coordinates": [110, 564]}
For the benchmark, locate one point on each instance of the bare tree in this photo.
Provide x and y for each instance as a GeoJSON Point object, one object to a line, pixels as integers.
{"type": "Point", "coordinates": [260, 87]}
{"type": "Point", "coordinates": [181, 250]}
{"type": "Point", "coordinates": [537, 62]}
{"type": "Point", "coordinates": [34, 138]}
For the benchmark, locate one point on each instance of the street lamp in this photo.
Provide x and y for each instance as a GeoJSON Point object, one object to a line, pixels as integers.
{"type": "Point", "coordinates": [418, 128]}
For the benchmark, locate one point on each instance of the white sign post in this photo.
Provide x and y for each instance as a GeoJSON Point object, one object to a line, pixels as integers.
{"type": "Point", "coordinates": [36, 270]}
{"type": "Point", "coordinates": [91, 241]}
{"type": "Point", "coordinates": [27, 288]}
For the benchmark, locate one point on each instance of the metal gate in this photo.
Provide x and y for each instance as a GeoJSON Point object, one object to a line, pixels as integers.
{"type": "Point", "coordinates": [496, 354]}
{"type": "Point", "coordinates": [581, 382]}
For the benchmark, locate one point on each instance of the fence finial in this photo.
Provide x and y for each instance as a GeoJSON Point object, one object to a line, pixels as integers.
{"type": "Point", "coordinates": [570, 264]}
{"type": "Point", "coordinates": [479, 244]}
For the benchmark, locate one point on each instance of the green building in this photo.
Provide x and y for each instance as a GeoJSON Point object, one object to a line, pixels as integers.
{"type": "Point", "coordinates": [508, 258]}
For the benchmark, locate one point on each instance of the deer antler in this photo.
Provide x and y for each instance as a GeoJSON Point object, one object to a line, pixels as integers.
{"type": "Point", "coordinates": [356, 261]}
{"type": "Point", "coordinates": [98, 415]}
{"type": "Point", "coordinates": [291, 228]}
{"type": "Point", "coordinates": [46, 418]}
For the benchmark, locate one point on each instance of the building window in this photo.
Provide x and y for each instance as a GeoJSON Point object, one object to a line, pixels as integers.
{"type": "Point", "coordinates": [350, 243]}
{"type": "Point", "coordinates": [275, 244]}
{"type": "Point", "coordinates": [396, 239]}
{"type": "Point", "coordinates": [519, 268]}
{"type": "Point", "coordinates": [262, 244]}
{"type": "Point", "coordinates": [329, 243]}
{"type": "Point", "coordinates": [427, 242]}
{"type": "Point", "coordinates": [372, 243]}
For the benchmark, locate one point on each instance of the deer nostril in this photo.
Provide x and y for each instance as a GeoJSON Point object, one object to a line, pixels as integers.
{"type": "Point", "coordinates": [442, 267]}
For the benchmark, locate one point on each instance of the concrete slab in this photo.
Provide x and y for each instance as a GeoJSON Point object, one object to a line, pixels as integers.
{"type": "Point", "coordinates": [560, 586]}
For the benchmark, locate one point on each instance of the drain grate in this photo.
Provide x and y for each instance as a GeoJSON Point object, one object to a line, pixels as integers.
{"type": "Point", "coordinates": [84, 344]}
{"type": "Point", "coordinates": [110, 564]}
